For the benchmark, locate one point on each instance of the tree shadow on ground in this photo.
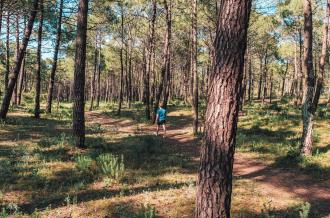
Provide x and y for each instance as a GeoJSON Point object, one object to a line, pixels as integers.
{"type": "Point", "coordinates": [290, 181]}
{"type": "Point", "coordinates": [269, 211]}
{"type": "Point", "coordinates": [96, 194]}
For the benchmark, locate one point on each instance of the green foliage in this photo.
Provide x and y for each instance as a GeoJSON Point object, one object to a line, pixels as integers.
{"type": "Point", "coordinates": [147, 212]}
{"type": "Point", "coordinates": [3, 213]}
{"type": "Point", "coordinates": [84, 163]}
{"type": "Point", "coordinates": [268, 211]}
{"type": "Point", "coordinates": [305, 210]}
{"type": "Point", "coordinates": [111, 165]}
{"type": "Point", "coordinates": [96, 128]}
{"type": "Point", "coordinates": [62, 140]}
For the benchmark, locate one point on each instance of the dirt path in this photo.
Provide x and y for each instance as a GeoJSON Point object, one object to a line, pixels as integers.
{"type": "Point", "coordinates": [282, 186]}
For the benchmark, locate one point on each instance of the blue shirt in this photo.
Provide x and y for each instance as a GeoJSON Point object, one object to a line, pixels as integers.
{"type": "Point", "coordinates": [161, 112]}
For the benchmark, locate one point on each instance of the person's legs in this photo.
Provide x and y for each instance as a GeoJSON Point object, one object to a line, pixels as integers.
{"type": "Point", "coordinates": [157, 130]}
{"type": "Point", "coordinates": [164, 128]}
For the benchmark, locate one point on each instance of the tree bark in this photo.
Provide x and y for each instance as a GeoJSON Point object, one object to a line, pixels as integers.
{"type": "Point", "coordinates": [260, 78]}
{"type": "Point", "coordinates": [14, 77]}
{"type": "Point", "coordinates": [93, 85]}
{"type": "Point", "coordinates": [307, 108]}
{"type": "Point", "coordinates": [194, 66]}
{"type": "Point", "coordinates": [7, 51]}
{"type": "Point", "coordinates": [79, 76]}
{"type": "Point", "coordinates": [21, 81]}
{"type": "Point", "coordinates": [17, 51]}
{"type": "Point", "coordinates": [322, 62]}
{"type": "Point", "coordinates": [98, 90]}
{"type": "Point", "coordinates": [55, 60]}
{"type": "Point", "coordinates": [165, 70]}
{"type": "Point", "coordinates": [121, 62]}
{"type": "Point", "coordinates": [38, 71]}
{"type": "Point", "coordinates": [150, 53]}
{"type": "Point", "coordinates": [217, 153]}
{"type": "Point", "coordinates": [250, 82]}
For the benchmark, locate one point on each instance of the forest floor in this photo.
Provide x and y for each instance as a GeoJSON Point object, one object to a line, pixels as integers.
{"type": "Point", "coordinates": [43, 175]}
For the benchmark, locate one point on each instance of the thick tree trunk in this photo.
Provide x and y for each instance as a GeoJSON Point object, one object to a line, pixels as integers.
{"type": "Point", "coordinates": [194, 66]}
{"type": "Point", "coordinates": [217, 153]}
{"type": "Point", "coordinates": [14, 77]}
{"type": "Point", "coordinates": [55, 60]}
{"type": "Point", "coordinates": [38, 71]}
{"type": "Point", "coordinates": [1, 15]}
{"type": "Point", "coordinates": [307, 108]}
{"type": "Point", "coordinates": [79, 76]}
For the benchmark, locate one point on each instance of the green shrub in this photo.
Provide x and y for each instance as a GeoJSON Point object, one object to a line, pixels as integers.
{"type": "Point", "coordinates": [305, 210]}
{"type": "Point", "coordinates": [147, 212]}
{"type": "Point", "coordinates": [111, 165]}
{"type": "Point", "coordinates": [96, 128]}
{"type": "Point", "coordinates": [323, 112]}
{"type": "Point", "coordinates": [84, 163]}
{"type": "Point", "coordinates": [3, 213]}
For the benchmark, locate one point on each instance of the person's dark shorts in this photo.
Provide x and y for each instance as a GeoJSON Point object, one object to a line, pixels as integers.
{"type": "Point", "coordinates": [162, 122]}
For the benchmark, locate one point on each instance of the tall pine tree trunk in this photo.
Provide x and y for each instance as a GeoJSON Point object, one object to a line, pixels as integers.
{"type": "Point", "coordinates": [21, 81]}
{"type": "Point", "coordinates": [307, 113]}
{"type": "Point", "coordinates": [165, 73]}
{"type": "Point", "coordinates": [98, 89]}
{"type": "Point", "coordinates": [38, 71]}
{"type": "Point", "coordinates": [217, 153]}
{"type": "Point", "coordinates": [194, 66]}
{"type": "Point", "coordinates": [320, 79]}
{"type": "Point", "coordinates": [18, 64]}
{"type": "Point", "coordinates": [55, 60]}
{"type": "Point", "coordinates": [93, 82]}
{"type": "Point", "coordinates": [7, 51]}
{"type": "Point", "coordinates": [79, 76]}
{"type": "Point", "coordinates": [121, 62]}
{"type": "Point", "coordinates": [17, 51]}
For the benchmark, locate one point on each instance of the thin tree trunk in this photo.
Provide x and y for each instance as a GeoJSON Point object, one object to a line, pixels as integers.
{"type": "Point", "coordinates": [167, 87]}
{"type": "Point", "coordinates": [322, 62]}
{"type": "Point", "coordinates": [79, 76]}
{"type": "Point", "coordinates": [98, 90]}
{"type": "Point", "coordinates": [21, 81]}
{"type": "Point", "coordinates": [217, 153]}
{"type": "Point", "coordinates": [7, 51]}
{"type": "Point", "coordinates": [150, 53]}
{"type": "Point", "coordinates": [38, 71]}
{"type": "Point", "coordinates": [307, 113]}
{"type": "Point", "coordinates": [13, 79]}
{"type": "Point", "coordinates": [121, 62]}
{"type": "Point", "coordinates": [265, 81]}
{"type": "Point", "coordinates": [284, 77]}
{"type": "Point", "coordinates": [250, 97]}
{"type": "Point", "coordinates": [55, 60]}
{"type": "Point", "coordinates": [194, 66]}
{"type": "Point", "coordinates": [17, 51]}
{"type": "Point", "coordinates": [260, 79]}
{"type": "Point", "coordinates": [93, 85]}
